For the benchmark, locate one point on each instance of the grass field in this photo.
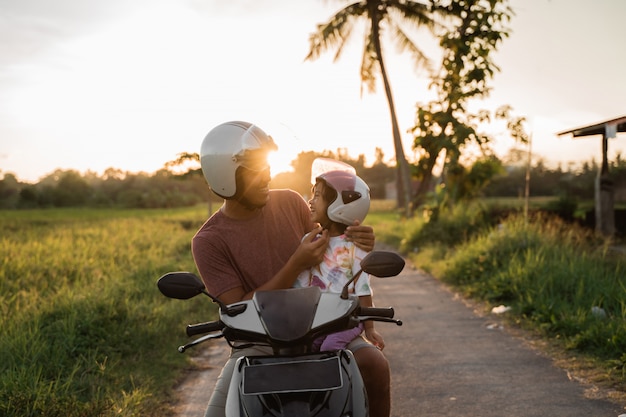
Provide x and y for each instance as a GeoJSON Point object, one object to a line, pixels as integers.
{"type": "Point", "coordinates": [85, 331]}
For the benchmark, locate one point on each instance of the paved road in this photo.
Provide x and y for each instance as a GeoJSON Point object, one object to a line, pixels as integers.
{"type": "Point", "coordinates": [446, 361]}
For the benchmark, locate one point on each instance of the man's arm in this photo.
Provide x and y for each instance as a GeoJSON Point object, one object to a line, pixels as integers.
{"type": "Point", "coordinates": [309, 253]}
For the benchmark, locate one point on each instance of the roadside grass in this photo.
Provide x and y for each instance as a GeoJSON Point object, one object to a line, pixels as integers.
{"type": "Point", "coordinates": [389, 224]}
{"type": "Point", "coordinates": [563, 283]}
{"type": "Point", "coordinates": [85, 331]}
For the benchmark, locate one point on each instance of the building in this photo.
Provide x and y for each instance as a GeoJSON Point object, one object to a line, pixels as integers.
{"type": "Point", "coordinates": [604, 187]}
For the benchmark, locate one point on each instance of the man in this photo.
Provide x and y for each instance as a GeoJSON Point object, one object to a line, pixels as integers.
{"type": "Point", "coordinates": [254, 242]}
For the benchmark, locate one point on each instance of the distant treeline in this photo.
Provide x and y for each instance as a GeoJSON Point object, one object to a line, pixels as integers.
{"type": "Point", "coordinates": [170, 188]}
{"type": "Point", "coordinates": [115, 189]}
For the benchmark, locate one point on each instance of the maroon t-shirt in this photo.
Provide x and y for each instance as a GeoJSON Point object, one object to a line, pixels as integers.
{"type": "Point", "coordinates": [247, 253]}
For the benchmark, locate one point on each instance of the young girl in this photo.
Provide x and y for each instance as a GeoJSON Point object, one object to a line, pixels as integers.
{"type": "Point", "coordinates": [339, 198]}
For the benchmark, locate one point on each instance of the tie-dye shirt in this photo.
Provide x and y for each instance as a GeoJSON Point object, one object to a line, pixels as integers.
{"type": "Point", "coordinates": [341, 261]}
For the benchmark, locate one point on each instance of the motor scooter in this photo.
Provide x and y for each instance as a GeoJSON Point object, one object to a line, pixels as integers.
{"type": "Point", "coordinates": [293, 380]}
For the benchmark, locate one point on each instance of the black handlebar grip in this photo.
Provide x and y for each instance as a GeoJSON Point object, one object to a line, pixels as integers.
{"type": "Point", "coordinates": [201, 328]}
{"type": "Point", "coordinates": [376, 311]}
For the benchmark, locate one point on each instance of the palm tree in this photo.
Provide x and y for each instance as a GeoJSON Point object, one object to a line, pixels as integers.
{"type": "Point", "coordinates": [380, 15]}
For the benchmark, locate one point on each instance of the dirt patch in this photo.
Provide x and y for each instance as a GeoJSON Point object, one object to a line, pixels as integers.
{"type": "Point", "coordinates": [193, 393]}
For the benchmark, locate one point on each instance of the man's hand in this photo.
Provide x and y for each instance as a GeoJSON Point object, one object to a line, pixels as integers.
{"type": "Point", "coordinates": [362, 236]}
{"type": "Point", "coordinates": [312, 248]}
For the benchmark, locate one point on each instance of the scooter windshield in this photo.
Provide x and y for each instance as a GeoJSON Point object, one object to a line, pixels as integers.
{"type": "Point", "coordinates": [287, 314]}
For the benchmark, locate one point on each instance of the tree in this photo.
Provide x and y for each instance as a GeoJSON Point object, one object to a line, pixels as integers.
{"type": "Point", "coordinates": [378, 175]}
{"type": "Point", "coordinates": [444, 126]}
{"type": "Point", "coordinates": [379, 15]}
{"type": "Point", "coordinates": [72, 190]}
{"type": "Point", "coordinates": [9, 191]}
{"type": "Point", "coordinates": [184, 160]}
{"type": "Point", "coordinates": [468, 183]}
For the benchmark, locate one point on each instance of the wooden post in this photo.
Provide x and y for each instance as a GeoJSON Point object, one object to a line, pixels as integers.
{"type": "Point", "coordinates": [604, 189]}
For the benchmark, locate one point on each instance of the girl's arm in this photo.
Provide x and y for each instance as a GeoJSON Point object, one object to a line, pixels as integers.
{"type": "Point", "coordinates": [370, 333]}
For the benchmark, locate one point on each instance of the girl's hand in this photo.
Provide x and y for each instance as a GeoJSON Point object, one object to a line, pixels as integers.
{"type": "Point", "coordinates": [375, 338]}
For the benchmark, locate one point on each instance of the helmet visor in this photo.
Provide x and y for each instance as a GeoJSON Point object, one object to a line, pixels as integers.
{"type": "Point", "coordinates": [254, 138]}
{"type": "Point", "coordinates": [321, 166]}
{"type": "Point", "coordinates": [255, 145]}
{"type": "Point", "coordinates": [255, 160]}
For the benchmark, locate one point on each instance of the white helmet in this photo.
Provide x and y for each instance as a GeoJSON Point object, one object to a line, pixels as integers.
{"type": "Point", "coordinates": [224, 150]}
{"type": "Point", "coordinates": [353, 196]}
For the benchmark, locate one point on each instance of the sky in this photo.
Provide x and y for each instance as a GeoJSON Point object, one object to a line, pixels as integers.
{"type": "Point", "coordinates": [130, 84]}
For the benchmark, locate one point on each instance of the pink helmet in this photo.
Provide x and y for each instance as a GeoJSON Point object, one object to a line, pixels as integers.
{"type": "Point", "coordinates": [353, 194]}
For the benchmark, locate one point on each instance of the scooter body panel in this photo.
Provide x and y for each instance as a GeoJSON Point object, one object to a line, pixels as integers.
{"type": "Point", "coordinates": [325, 384]}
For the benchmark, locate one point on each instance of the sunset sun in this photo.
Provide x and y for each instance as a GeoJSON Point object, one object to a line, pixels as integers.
{"type": "Point", "coordinates": [280, 162]}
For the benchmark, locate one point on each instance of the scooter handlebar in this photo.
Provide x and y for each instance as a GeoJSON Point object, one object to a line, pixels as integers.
{"type": "Point", "coordinates": [202, 328]}
{"type": "Point", "coordinates": [377, 312]}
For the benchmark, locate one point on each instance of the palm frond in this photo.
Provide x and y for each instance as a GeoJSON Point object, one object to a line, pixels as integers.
{"type": "Point", "coordinates": [405, 44]}
{"type": "Point", "coordinates": [335, 33]}
{"type": "Point", "coordinates": [414, 13]}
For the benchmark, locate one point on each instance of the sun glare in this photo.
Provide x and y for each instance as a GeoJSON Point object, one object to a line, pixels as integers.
{"type": "Point", "coordinates": [280, 161]}
{"type": "Point", "coordinates": [289, 145]}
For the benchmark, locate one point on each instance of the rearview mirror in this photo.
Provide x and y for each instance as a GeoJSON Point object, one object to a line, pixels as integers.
{"type": "Point", "coordinates": [180, 285]}
{"type": "Point", "coordinates": [378, 263]}
{"type": "Point", "coordinates": [382, 264]}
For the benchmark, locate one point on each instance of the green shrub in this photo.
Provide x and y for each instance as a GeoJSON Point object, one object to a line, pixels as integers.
{"type": "Point", "coordinates": [450, 227]}
{"type": "Point", "coordinates": [554, 275]}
